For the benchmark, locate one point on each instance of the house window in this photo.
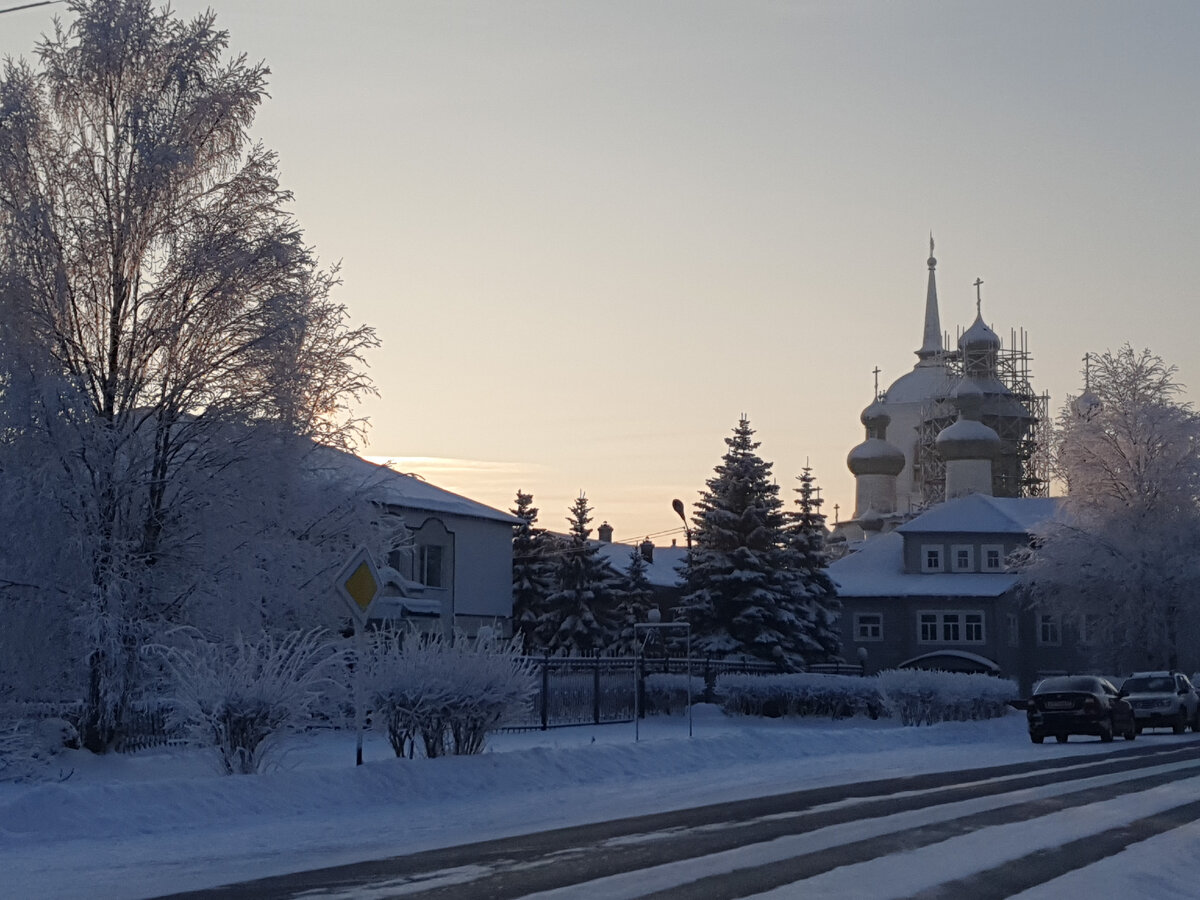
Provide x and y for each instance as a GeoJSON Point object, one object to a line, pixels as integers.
{"type": "Point", "coordinates": [1014, 630]}
{"type": "Point", "coordinates": [429, 565]}
{"type": "Point", "coordinates": [931, 559]}
{"type": "Point", "coordinates": [1049, 631]}
{"type": "Point", "coordinates": [951, 627]}
{"type": "Point", "coordinates": [993, 558]}
{"type": "Point", "coordinates": [973, 627]}
{"type": "Point", "coordinates": [868, 626]}
{"type": "Point", "coordinates": [1089, 628]}
{"type": "Point", "coordinates": [962, 558]}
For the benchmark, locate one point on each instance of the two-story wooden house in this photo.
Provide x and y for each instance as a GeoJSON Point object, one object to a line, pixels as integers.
{"type": "Point", "coordinates": [937, 593]}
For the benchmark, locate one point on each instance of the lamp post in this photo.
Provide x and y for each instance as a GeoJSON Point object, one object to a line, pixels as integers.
{"type": "Point", "coordinates": [677, 505]}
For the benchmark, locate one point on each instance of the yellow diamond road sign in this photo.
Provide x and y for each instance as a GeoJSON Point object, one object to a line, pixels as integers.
{"type": "Point", "coordinates": [359, 584]}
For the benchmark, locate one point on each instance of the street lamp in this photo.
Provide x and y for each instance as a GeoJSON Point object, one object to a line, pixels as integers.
{"type": "Point", "coordinates": [677, 505]}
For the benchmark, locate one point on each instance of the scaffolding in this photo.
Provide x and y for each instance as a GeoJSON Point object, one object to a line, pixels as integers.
{"type": "Point", "coordinates": [1023, 468]}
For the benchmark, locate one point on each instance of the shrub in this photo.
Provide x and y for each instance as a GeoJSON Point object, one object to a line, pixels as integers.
{"type": "Point", "coordinates": [237, 697]}
{"type": "Point", "coordinates": [799, 694]}
{"type": "Point", "coordinates": [444, 694]}
{"type": "Point", "coordinates": [667, 692]}
{"type": "Point", "coordinates": [921, 697]}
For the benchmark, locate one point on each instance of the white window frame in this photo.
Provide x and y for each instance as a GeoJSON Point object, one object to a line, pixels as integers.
{"type": "Point", "coordinates": [868, 627]}
{"type": "Point", "coordinates": [1089, 628]}
{"type": "Point", "coordinates": [933, 558]}
{"type": "Point", "coordinates": [1049, 631]}
{"type": "Point", "coordinates": [1014, 630]}
{"type": "Point", "coordinates": [960, 549]}
{"type": "Point", "coordinates": [424, 552]}
{"type": "Point", "coordinates": [998, 549]}
{"type": "Point", "coordinates": [951, 626]}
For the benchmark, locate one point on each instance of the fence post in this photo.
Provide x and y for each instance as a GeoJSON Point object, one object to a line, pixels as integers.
{"type": "Point", "coordinates": [546, 692]}
{"type": "Point", "coordinates": [596, 692]}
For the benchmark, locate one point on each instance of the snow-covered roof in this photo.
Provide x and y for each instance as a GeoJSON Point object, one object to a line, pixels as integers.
{"type": "Point", "coordinates": [662, 572]}
{"type": "Point", "coordinates": [394, 488]}
{"type": "Point", "coordinates": [983, 514]}
{"type": "Point", "coordinates": [877, 570]}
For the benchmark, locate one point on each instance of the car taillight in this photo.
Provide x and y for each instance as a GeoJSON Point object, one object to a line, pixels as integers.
{"type": "Point", "coordinates": [1090, 704]}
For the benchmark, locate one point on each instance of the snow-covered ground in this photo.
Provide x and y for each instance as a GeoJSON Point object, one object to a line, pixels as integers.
{"type": "Point", "coordinates": [160, 821]}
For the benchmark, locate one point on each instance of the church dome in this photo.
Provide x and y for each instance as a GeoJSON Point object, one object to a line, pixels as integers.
{"type": "Point", "coordinates": [876, 415]}
{"type": "Point", "coordinates": [978, 337]}
{"type": "Point", "coordinates": [968, 439]}
{"type": "Point", "coordinates": [875, 456]}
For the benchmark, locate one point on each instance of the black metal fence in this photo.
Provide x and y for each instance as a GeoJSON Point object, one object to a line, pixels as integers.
{"type": "Point", "coordinates": [600, 690]}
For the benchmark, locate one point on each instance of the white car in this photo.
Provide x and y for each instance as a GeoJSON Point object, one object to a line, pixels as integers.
{"type": "Point", "coordinates": [1163, 699]}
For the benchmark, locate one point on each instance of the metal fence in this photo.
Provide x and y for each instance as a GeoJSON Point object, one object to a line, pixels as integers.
{"type": "Point", "coordinates": [600, 690]}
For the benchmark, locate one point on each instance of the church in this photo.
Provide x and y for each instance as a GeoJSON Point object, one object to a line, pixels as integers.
{"type": "Point", "coordinates": [951, 477]}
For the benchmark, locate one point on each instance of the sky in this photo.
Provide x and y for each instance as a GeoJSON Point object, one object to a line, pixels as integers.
{"type": "Point", "coordinates": [591, 236]}
{"type": "Point", "coordinates": [158, 821]}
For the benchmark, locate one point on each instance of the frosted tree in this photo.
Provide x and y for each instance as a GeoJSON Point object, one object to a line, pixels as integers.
{"type": "Point", "coordinates": [533, 573]}
{"type": "Point", "coordinates": [809, 560]}
{"type": "Point", "coordinates": [163, 321]}
{"type": "Point", "coordinates": [580, 608]}
{"type": "Point", "coordinates": [741, 595]}
{"type": "Point", "coordinates": [633, 603]}
{"type": "Point", "coordinates": [1122, 561]}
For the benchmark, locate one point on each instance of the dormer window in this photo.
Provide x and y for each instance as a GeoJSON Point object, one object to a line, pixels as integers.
{"type": "Point", "coordinates": [931, 558]}
{"type": "Point", "coordinates": [992, 556]}
{"type": "Point", "coordinates": [962, 558]}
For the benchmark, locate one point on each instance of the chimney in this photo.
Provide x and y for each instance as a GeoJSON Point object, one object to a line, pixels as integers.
{"type": "Point", "coordinates": [647, 548]}
{"type": "Point", "coordinates": [605, 532]}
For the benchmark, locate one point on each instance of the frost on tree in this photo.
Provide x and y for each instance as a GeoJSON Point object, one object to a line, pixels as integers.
{"type": "Point", "coordinates": [744, 593]}
{"type": "Point", "coordinates": [580, 609]}
{"type": "Point", "coordinates": [170, 347]}
{"type": "Point", "coordinates": [1121, 564]}
{"type": "Point", "coordinates": [633, 594]}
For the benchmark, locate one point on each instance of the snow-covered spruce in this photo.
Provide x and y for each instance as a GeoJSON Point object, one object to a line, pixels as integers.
{"type": "Point", "coordinates": [444, 695]}
{"type": "Point", "coordinates": [240, 696]}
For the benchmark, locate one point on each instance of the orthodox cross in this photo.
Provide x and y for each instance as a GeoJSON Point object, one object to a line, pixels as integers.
{"type": "Point", "coordinates": [978, 297]}
{"type": "Point", "coordinates": [875, 371]}
{"type": "Point", "coordinates": [836, 507]}
{"type": "Point", "coordinates": [1087, 371]}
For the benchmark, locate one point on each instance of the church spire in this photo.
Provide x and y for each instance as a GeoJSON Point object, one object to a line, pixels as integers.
{"type": "Point", "coordinates": [932, 344]}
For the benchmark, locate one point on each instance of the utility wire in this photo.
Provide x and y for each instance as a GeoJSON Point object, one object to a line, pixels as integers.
{"type": "Point", "coordinates": [31, 5]}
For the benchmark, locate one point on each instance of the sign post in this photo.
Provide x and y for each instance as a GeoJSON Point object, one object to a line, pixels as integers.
{"type": "Point", "coordinates": [642, 632]}
{"type": "Point", "coordinates": [358, 584]}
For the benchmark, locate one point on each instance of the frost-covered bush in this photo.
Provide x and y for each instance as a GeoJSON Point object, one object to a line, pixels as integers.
{"type": "Point", "coordinates": [667, 692]}
{"type": "Point", "coordinates": [239, 697]}
{"type": "Point", "coordinates": [921, 697]}
{"type": "Point", "coordinates": [444, 694]}
{"type": "Point", "coordinates": [799, 694]}
{"type": "Point", "coordinates": [28, 748]}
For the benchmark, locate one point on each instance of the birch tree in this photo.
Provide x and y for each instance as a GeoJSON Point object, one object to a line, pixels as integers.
{"type": "Point", "coordinates": [162, 317]}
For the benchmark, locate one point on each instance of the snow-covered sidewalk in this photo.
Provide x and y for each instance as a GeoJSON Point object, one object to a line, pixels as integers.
{"type": "Point", "coordinates": [161, 821]}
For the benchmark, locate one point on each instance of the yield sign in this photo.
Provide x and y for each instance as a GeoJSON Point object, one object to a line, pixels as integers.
{"type": "Point", "coordinates": [358, 583]}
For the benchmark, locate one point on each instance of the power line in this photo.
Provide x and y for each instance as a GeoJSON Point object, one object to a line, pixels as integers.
{"type": "Point", "coordinates": [31, 5]}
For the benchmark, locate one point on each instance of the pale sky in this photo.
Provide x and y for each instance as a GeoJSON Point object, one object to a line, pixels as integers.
{"type": "Point", "coordinates": [592, 235]}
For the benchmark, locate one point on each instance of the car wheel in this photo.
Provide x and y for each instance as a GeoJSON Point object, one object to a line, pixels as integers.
{"type": "Point", "coordinates": [1180, 724]}
{"type": "Point", "coordinates": [1196, 722]}
{"type": "Point", "coordinates": [1061, 738]}
{"type": "Point", "coordinates": [1036, 738]}
{"type": "Point", "coordinates": [1106, 732]}
{"type": "Point", "coordinates": [1132, 733]}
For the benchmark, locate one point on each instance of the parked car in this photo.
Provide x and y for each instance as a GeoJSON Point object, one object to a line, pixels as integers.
{"type": "Point", "coordinates": [1078, 704]}
{"type": "Point", "coordinates": [1163, 699]}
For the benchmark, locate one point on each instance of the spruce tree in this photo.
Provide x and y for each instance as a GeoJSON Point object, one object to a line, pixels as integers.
{"type": "Point", "coordinates": [580, 609]}
{"type": "Point", "coordinates": [740, 594]}
{"type": "Point", "coordinates": [633, 602]}
{"type": "Point", "coordinates": [806, 535]}
{"type": "Point", "coordinates": [533, 575]}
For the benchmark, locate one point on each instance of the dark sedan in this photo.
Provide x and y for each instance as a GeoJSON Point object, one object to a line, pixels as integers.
{"type": "Point", "coordinates": [1078, 704]}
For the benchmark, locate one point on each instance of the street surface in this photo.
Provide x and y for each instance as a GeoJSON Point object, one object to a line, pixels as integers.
{"type": "Point", "coordinates": [979, 833]}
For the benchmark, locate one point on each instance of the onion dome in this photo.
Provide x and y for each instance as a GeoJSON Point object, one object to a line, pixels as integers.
{"type": "Point", "coordinates": [876, 417]}
{"type": "Point", "coordinates": [968, 438]}
{"type": "Point", "coordinates": [1086, 405]}
{"type": "Point", "coordinates": [875, 456]}
{"type": "Point", "coordinates": [978, 337]}
{"type": "Point", "coordinates": [871, 520]}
